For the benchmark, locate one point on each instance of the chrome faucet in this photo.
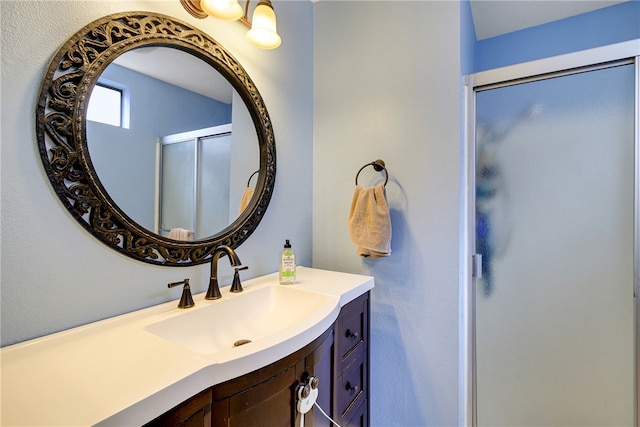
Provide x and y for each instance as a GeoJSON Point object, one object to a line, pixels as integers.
{"type": "Point", "coordinates": [214, 290]}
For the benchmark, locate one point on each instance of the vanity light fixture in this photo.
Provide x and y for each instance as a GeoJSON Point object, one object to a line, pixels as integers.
{"type": "Point", "coordinates": [262, 27]}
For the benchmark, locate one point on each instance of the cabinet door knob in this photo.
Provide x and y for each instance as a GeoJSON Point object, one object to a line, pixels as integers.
{"type": "Point", "coordinates": [352, 387]}
{"type": "Point", "coordinates": [352, 334]}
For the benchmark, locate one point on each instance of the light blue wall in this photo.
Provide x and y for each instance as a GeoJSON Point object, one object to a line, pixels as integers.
{"type": "Point", "coordinates": [388, 85]}
{"type": "Point", "coordinates": [601, 27]}
{"type": "Point", "coordinates": [125, 159]}
{"type": "Point", "coordinates": [468, 42]}
{"type": "Point", "coordinates": [54, 274]}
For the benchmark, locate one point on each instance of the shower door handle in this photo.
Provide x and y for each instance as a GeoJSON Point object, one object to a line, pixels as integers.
{"type": "Point", "coordinates": [476, 267]}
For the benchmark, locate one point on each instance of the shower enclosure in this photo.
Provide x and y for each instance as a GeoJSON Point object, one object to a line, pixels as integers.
{"type": "Point", "coordinates": [194, 179]}
{"type": "Point", "coordinates": [552, 242]}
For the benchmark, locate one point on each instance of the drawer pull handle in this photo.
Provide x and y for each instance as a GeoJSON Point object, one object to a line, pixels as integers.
{"type": "Point", "coordinates": [352, 387]}
{"type": "Point", "coordinates": [352, 334]}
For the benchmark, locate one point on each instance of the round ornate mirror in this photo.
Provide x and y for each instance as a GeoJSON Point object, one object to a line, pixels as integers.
{"type": "Point", "coordinates": [183, 153]}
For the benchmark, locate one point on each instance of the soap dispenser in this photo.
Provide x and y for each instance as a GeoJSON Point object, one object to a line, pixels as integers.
{"type": "Point", "coordinates": [287, 265]}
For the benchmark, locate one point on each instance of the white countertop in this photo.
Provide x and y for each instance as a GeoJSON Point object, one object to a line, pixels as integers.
{"type": "Point", "coordinates": [115, 372]}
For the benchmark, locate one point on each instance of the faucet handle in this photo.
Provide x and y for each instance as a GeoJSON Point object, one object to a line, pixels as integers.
{"type": "Point", "coordinates": [186, 300]}
{"type": "Point", "coordinates": [214, 290]}
{"type": "Point", "coordinates": [236, 286]}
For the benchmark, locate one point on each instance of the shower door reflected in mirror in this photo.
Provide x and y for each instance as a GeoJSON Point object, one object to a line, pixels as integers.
{"type": "Point", "coordinates": [555, 228]}
{"type": "Point", "coordinates": [194, 183]}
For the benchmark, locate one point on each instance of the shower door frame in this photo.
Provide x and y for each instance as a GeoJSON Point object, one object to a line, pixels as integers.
{"type": "Point", "coordinates": [194, 136]}
{"type": "Point", "coordinates": [530, 71]}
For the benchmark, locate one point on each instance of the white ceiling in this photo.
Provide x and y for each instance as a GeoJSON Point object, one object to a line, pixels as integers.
{"type": "Point", "coordinates": [178, 68]}
{"type": "Point", "coordinates": [496, 17]}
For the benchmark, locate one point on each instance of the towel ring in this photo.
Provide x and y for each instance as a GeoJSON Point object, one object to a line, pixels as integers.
{"type": "Point", "coordinates": [249, 180]}
{"type": "Point", "coordinates": [379, 166]}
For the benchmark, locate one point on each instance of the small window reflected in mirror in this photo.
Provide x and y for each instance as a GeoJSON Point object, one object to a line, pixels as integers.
{"type": "Point", "coordinates": [107, 105]}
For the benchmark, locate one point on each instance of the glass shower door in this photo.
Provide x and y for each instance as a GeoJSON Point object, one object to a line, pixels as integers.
{"type": "Point", "coordinates": [555, 229]}
{"type": "Point", "coordinates": [194, 182]}
{"type": "Point", "coordinates": [177, 186]}
{"type": "Point", "coordinates": [214, 185]}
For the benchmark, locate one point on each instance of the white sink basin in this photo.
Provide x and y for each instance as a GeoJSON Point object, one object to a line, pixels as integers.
{"type": "Point", "coordinates": [245, 322]}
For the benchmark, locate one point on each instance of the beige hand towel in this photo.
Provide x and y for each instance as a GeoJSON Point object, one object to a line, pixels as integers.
{"type": "Point", "coordinates": [369, 222]}
{"type": "Point", "coordinates": [179, 234]}
{"type": "Point", "coordinates": [245, 199]}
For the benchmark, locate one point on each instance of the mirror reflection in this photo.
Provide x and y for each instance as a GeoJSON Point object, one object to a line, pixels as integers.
{"type": "Point", "coordinates": [177, 148]}
{"type": "Point", "coordinates": [110, 177]}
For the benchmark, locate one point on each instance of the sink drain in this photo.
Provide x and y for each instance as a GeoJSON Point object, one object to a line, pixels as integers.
{"type": "Point", "coordinates": [241, 342]}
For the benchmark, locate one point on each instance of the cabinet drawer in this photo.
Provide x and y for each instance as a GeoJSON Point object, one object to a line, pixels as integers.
{"type": "Point", "coordinates": [352, 384]}
{"type": "Point", "coordinates": [356, 416]}
{"type": "Point", "coordinates": [352, 328]}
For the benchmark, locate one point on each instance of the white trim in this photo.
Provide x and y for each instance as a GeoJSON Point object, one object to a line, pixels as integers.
{"type": "Point", "coordinates": [467, 243]}
{"type": "Point", "coordinates": [614, 52]}
{"type": "Point", "coordinates": [567, 61]}
{"type": "Point", "coordinates": [198, 133]}
{"type": "Point", "coordinates": [637, 241]}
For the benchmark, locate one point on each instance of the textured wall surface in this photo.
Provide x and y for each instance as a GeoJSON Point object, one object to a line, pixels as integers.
{"type": "Point", "coordinates": [55, 275]}
{"type": "Point", "coordinates": [396, 73]}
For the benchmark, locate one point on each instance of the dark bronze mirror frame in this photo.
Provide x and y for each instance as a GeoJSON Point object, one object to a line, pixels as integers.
{"type": "Point", "coordinates": [62, 138]}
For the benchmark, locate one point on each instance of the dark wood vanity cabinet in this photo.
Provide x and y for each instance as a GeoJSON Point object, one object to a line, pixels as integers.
{"type": "Point", "coordinates": [193, 412]}
{"type": "Point", "coordinates": [339, 358]}
{"type": "Point", "coordinates": [351, 370]}
{"type": "Point", "coordinates": [267, 397]}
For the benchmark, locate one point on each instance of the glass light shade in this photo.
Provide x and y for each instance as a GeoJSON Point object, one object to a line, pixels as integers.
{"type": "Point", "coordinates": [263, 32]}
{"type": "Point", "coordinates": [229, 10]}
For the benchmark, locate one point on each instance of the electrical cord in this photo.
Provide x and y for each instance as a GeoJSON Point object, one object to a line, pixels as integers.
{"type": "Point", "coordinates": [307, 394]}
{"type": "Point", "coordinates": [325, 414]}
